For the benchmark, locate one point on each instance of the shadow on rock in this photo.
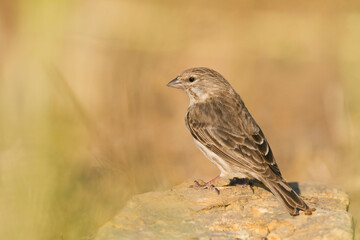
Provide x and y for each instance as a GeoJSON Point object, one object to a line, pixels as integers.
{"type": "Point", "coordinates": [253, 182]}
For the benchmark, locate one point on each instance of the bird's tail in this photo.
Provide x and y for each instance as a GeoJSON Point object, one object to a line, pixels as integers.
{"type": "Point", "coordinates": [286, 195]}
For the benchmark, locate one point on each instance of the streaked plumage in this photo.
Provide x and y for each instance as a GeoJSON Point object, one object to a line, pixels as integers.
{"type": "Point", "coordinates": [226, 133]}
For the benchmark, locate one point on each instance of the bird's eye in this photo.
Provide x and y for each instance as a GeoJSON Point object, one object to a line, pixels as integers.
{"type": "Point", "coordinates": [191, 79]}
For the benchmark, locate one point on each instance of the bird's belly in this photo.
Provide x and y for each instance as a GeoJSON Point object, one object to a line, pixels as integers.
{"type": "Point", "coordinates": [225, 169]}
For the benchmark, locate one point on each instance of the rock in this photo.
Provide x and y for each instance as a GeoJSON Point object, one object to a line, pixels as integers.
{"type": "Point", "coordinates": [235, 213]}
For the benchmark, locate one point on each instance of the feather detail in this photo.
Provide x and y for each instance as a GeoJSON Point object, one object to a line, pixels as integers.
{"type": "Point", "coordinates": [227, 134]}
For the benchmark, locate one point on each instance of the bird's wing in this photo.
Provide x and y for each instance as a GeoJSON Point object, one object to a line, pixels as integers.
{"type": "Point", "coordinates": [244, 144]}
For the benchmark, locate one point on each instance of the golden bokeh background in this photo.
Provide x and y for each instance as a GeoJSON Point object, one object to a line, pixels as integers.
{"type": "Point", "coordinates": [86, 120]}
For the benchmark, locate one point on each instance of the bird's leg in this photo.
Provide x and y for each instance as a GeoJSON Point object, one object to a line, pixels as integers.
{"type": "Point", "coordinates": [242, 182]}
{"type": "Point", "coordinates": [208, 185]}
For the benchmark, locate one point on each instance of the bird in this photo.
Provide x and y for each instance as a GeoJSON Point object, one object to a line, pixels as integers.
{"type": "Point", "coordinates": [226, 133]}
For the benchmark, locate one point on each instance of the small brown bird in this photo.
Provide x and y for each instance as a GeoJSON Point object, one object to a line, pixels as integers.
{"type": "Point", "coordinates": [229, 137]}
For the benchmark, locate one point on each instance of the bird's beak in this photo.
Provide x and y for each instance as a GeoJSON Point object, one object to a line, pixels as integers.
{"type": "Point", "coordinates": [175, 83]}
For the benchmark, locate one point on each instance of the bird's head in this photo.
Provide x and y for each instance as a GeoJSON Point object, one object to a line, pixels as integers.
{"type": "Point", "coordinates": [201, 83]}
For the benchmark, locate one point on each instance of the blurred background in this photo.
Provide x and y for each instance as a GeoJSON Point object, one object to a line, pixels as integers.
{"type": "Point", "coordinates": [86, 120]}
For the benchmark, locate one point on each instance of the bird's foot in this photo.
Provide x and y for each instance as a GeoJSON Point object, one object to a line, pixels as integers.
{"type": "Point", "coordinates": [241, 182]}
{"type": "Point", "coordinates": [208, 185]}
{"type": "Point", "coordinates": [309, 211]}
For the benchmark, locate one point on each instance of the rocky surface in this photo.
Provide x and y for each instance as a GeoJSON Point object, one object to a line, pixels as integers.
{"type": "Point", "coordinates": [235, 213]}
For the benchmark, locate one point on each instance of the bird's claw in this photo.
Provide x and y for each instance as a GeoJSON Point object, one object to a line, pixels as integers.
{"type": "Point", "coordinates": [205, 186]}
{"type": "Point", "coordinates": [246, 185]}
{"type": "Point", "coordinates": [309, 211]}
{"type": "Point", "coordinates": [241, 182]}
